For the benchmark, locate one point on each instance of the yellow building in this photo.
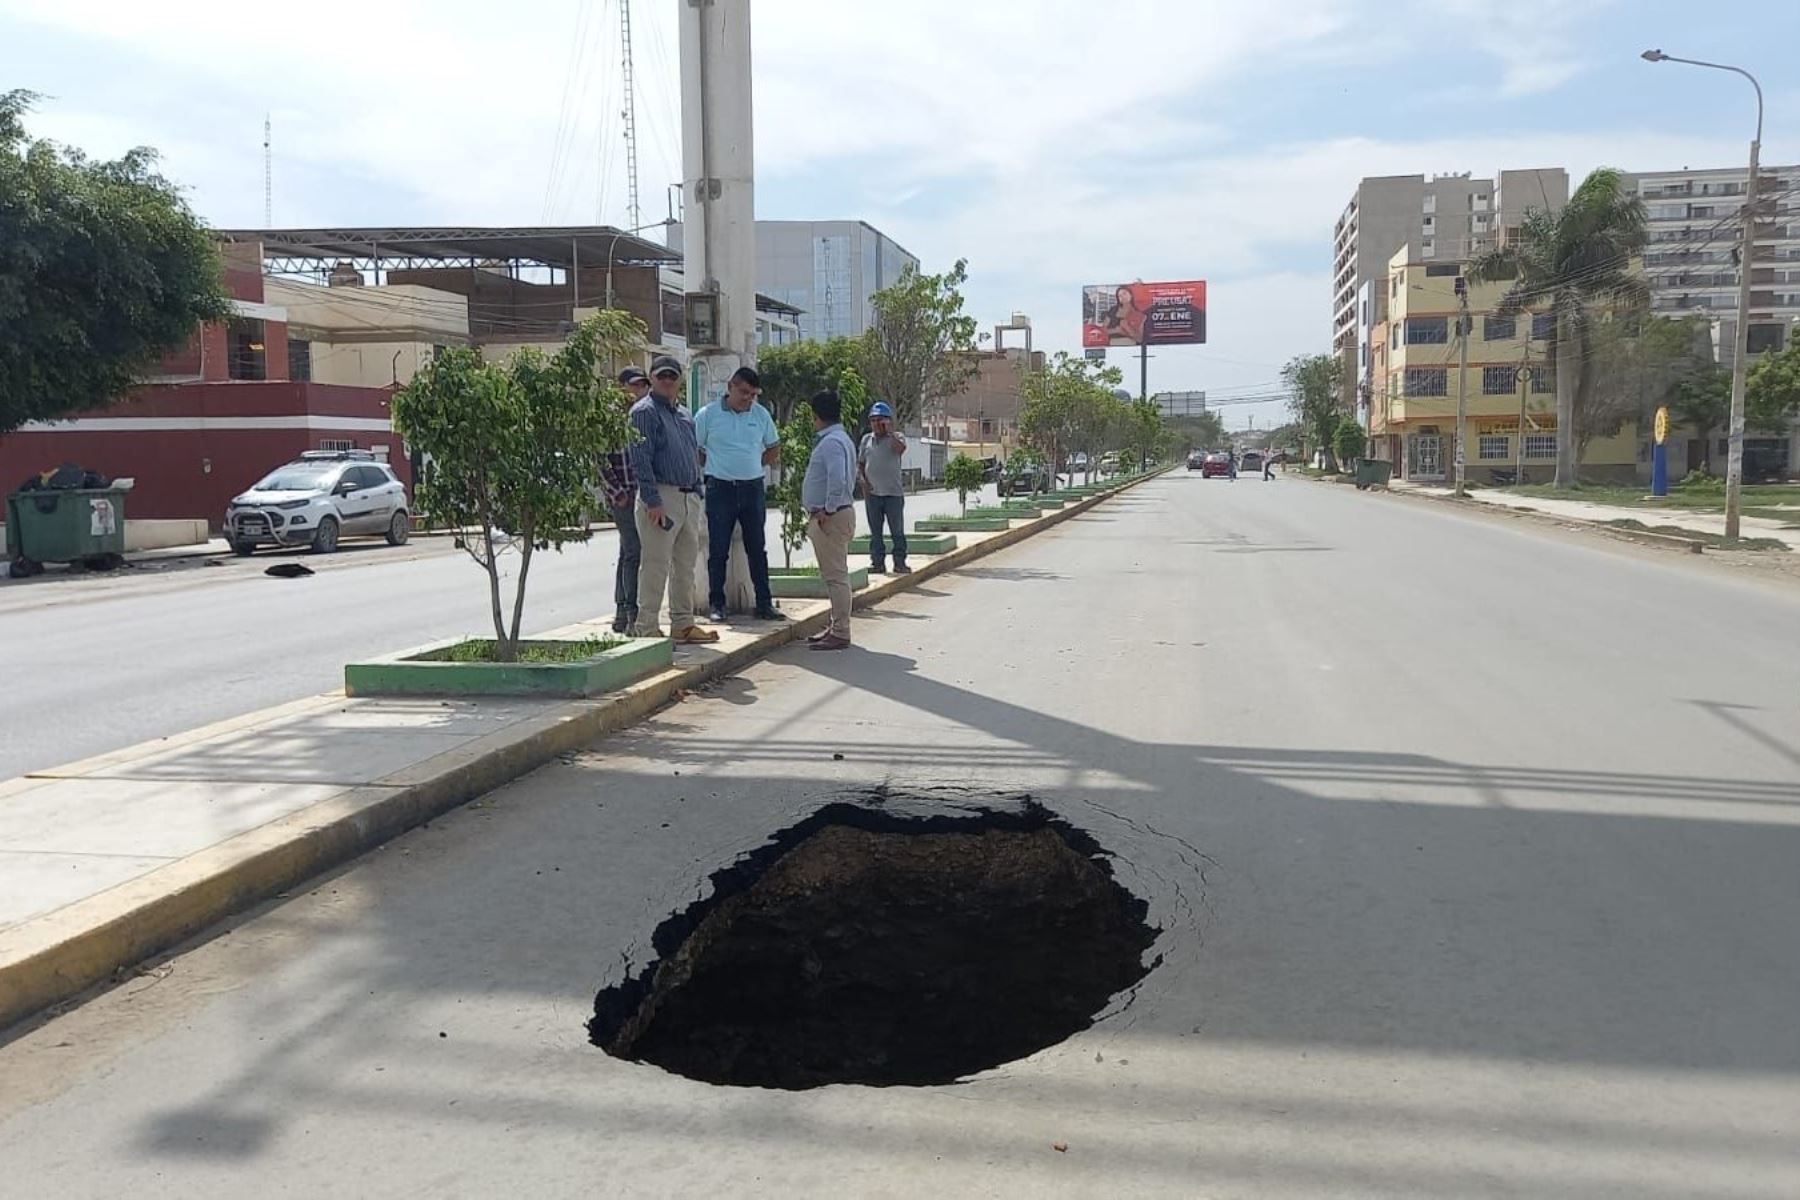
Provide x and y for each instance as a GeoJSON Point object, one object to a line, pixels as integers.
{"type": "Point", "coordinates": [1415, 379]}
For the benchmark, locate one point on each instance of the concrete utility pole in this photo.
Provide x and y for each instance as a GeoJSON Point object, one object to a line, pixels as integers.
{"type": "Point", "coordinates": [1740, 362]}
{"type": "Point", "coordinates": [718, 188]}
{"type": "Point", "coordinates": [1462, 385]}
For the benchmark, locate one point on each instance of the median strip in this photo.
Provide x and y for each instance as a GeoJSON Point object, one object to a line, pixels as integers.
{"type": "Point", "coordinates": [300, 788]}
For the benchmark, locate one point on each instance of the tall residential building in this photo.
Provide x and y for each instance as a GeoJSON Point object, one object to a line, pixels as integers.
{"type": "Point", "coordinates": [1439, 217]}
{"type": "Point", "coordinates": [1691, 261]}
{"type": "Point", "coordinates": [826, 269]}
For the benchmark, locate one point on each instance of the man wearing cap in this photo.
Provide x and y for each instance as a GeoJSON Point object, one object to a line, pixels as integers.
{"type": "Point", "coordinates": [737, 441]}
{"type": "Point", "coordinates": [825, 494]}
{"type": "Point", "coordinates": [666, 460]}
{"type": "Point", "coordinates": [621, 497]}
{"type": "Point", "coordinates": [884, 488]}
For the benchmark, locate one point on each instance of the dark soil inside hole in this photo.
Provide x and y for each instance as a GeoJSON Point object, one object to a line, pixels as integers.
{"type": "Point", "coordinates": [885, 952]}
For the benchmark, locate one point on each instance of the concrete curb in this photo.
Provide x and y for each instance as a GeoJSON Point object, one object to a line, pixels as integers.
{"type": "Point", "coordinates": [53, 958]}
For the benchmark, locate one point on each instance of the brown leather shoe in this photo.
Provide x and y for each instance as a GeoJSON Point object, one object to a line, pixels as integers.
{"type": "Point", "coordinates": [830, 641]}
{"type": "Point", "coordinates": [694, 635]}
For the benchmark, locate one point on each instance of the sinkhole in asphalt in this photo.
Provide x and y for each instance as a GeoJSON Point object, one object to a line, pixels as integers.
{"type": "Point", "coordinates": [865, 946]}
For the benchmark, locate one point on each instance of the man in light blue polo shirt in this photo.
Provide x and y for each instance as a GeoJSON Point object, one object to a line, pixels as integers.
{"type": "Point", "coordinates": [737, 439]}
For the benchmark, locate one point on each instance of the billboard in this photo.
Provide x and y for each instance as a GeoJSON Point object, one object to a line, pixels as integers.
{"type": "Point", "coordinates": [1154, 314]}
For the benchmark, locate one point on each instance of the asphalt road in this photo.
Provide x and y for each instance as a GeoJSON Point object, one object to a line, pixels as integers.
{"type": "Point", "coordinates": [97, 663]}
{"type": "Point", "coordinates": [1473, 848]}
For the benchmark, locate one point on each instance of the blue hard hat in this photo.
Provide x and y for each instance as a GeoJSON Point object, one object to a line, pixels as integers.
{"type": "Point", "coordinates": [880, 409]}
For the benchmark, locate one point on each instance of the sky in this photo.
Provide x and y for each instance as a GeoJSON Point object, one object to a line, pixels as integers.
{"type": "Point", "coordinates": [1050, 143]}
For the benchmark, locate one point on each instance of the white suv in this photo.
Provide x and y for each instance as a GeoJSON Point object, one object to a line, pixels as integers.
{"type": "Point", "coordinates": [315, 500]}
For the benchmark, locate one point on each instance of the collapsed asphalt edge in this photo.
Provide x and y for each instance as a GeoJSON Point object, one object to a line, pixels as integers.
{"type": "Point", "coordinates": [98, 938]}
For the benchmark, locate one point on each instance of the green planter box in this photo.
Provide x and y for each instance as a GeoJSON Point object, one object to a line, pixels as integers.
{"type": "Point", "coordinates": [918, 543]}
{"type": "Point", "coordinates": [796, 584]}
{"type": "Point", "coordinates": [412, 673]}
{"type": "Point", "coordinates": [1011, 512]}
{"type": "Point", "coordinates": [962, 525]}
{"type": "Point", "coordinates": [1067, 497]}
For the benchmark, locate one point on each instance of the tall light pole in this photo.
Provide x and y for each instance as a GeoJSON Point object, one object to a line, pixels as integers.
{"type": "Point", "coordinates": [1740, 362]}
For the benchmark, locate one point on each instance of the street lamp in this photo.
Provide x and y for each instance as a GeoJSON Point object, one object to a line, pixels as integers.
{"type": "Point", "coordinates": [1734, 463]}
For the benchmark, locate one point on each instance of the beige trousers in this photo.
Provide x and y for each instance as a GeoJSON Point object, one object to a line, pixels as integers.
{"type": "Point", "coordinates": [670, 556]}
{"type": "Point", "coordinates": [831, 546]}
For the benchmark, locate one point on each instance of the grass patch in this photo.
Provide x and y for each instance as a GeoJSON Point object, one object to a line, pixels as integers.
{"type": "Point", "coordinates": [1691, 498]}
{"type": "Point", "coordinates": [1715, 540]}
{"type": "Point", "coordinates": [481, 650]}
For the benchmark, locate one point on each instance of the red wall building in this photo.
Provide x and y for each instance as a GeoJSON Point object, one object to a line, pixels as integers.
{"type": "Point", "coordinates": [220, 414]}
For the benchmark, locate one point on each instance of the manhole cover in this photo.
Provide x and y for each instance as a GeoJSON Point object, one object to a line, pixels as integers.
{"type": "Point", "coordinates": [861, 947]}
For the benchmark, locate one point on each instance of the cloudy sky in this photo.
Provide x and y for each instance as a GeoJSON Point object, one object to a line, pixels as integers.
{"type": "Point", "coordinates": [1052, 143]}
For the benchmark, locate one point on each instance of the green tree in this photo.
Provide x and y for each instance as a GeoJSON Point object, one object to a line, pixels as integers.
{"type": "Point", "coordinates": [793, 374]}
{"type": "Point", "coordinates": [515, 448]}
{"type": "Point", "coordinates": [1201, 431]}
{"type": "Point", "coordinates": [1572, 264]}
{"type": "Point", "coordinates": [1058, 403]}
{"type": "Point", "coordinates": [920, 346]}
{"type": "Point", "coordinates": [103, 271]}
{"type": "Point", "coordinates": [1349, 440]}
{"type": "Point", "coordinates": [966, 475]}
{"type": "Point", "coordinates": [1772, 389]}
{"type": "Point", "coordinates": [1312, 384]}
{"type": "Point", "coordinates": [1634, 365]}
{"type": "Point", "coordinates": [797, 435]}
{"type": "Point", "coordinates": [1146, 436]}
{"type": "Point", "coordinates": [1703, 400]}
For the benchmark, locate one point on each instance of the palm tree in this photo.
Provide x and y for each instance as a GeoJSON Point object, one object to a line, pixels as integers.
{"type": "Point", "coordinates": [1568, 264]}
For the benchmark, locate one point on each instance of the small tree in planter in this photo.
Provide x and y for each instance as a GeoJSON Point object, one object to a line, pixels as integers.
{"type": "Point", "coordinates": [966, 475]}
{"type": "Point", "coordinates": [515, 448]}
{"type": "Point", "coordinates": [796, 452]}
{"type": "Point", "coordinates": [1349, 441]}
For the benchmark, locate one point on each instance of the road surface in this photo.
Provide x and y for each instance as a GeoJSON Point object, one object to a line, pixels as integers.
{"type": "Point", "coordinates": [1472, 846]}
{"type": "Point", "coordinates": [98, 663]}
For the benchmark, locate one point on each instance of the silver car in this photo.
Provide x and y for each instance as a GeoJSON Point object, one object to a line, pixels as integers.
{"type": "Point", "coordinates": [322, 496]}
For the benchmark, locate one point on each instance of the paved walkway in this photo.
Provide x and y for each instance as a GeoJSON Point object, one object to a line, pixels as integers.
{"type": "Point", "coordinates": [1582, 510]}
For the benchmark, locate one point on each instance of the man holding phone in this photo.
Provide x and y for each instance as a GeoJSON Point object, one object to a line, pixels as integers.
{"type": "Point", "coordinates": [884, 487]}
{"type": "Point", "coordinates": [666, 460]}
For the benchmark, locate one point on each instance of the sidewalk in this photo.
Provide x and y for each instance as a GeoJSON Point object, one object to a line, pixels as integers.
{"type": "Point", "coordinates": [1602, 514]}
{"type": "Point", "coordinates": [108, 860]}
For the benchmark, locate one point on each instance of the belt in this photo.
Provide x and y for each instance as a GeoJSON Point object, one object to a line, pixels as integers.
{"type": "Point", "coordinates": [712, 479]}
{"type": "Point", "coordinates": [695, 490]}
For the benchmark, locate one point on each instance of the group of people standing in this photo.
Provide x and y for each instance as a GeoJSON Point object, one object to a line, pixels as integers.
{"type": "Point", "coordinates": [711, 466]}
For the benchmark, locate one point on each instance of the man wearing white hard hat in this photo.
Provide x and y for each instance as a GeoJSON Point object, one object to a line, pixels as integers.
{"type": "Point", "coordinates": [884, 487]}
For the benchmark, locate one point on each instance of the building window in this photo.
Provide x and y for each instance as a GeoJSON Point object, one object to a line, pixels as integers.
{"type": "Point", "coordinates": [1427, 381]}
{"type": "Point", "coordinates": [1542, 325]}
{"type": "Point", "coordinates": [1494, 445]}
{"type": "Point", "coordinates": [1430, 223]}
{"type": "Point", "coordinates": [1540, 445]}
{"type": "Point", "coordinates": [674, 316]}
{"type": "Point", "coordinates": [1543, 380]}
{"type": "Point", "coordinates": [1427, 331]}
{"type": "Point", "coordinates": [1496, 381]}
{"type": "Point", "coordinates": [249, 359]}
{"type": "Point", "coordinates": [1394, 336]}
{"type": "Point", "coordinates": [1429, 250]}
{"type": "Point", "coordinates": [1499, 329]}
{"type": "Point", "coordinates": [1394, 285]}
{"type": "Point", "coordinates": [1439, 270]}
{"type": "Point", "coordinates": [1430, 202]}
{"type": "Point", "coordinates": [299, 360]}
{"type": "Point", "coordinates": [1763, 339]}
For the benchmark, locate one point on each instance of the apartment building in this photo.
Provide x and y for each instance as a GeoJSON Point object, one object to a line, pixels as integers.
{"type": "Point", "coordinates": [1443, 218]}
{"type": "Point", "coordinates": [1691, 260]}
{"type": "Point", "coordinates": [1511, 399]}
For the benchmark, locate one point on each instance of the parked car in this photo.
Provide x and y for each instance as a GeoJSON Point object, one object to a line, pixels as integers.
{"type": "Point", "coordinates": [1196, 459]}
{"type": "Point", "coordinates": [1078, 464]}
{"type": "Point", "coordinates": [1109, 463]}
{"type": "Point", "coordinates": [1022, 479]}
{"type": "Point", "coordinates": [322, 496]}
{"type": "Point", "coordinates": [1216, 463]}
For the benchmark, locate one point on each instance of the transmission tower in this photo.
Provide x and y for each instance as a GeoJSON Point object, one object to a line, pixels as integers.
{"type": "Point", "coordinates": [630, 115]}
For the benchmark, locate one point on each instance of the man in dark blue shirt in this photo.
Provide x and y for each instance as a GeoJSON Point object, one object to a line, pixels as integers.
{"type": "Point", "coordinates": [666, 460]}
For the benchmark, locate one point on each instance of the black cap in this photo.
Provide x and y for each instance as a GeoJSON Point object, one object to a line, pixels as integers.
{"type": "Point", "coordinates": [632, 375]}
{"type": "Point", "coordinates": [662, 364]}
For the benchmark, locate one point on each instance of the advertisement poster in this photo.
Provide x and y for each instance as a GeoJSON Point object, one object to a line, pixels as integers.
{"type": "Point", "coordinates": [1156, 314]}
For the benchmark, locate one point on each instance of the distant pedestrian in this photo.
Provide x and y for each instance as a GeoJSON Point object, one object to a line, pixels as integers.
{"type": "Point", "coordinates": [1231, 465]}
{"type": "Point", "coordinates": [1268, 466]}
{"type": "Point", "coordinates": [621, 498]}
{"type": "Point", "coordinates": [884, 487]}
{"type": "Point", "coordinates": [825, 493]}
{"type": "Point", "coordinates": [666, 458]}
{"type": "Point", "coordinates": [737, 441]}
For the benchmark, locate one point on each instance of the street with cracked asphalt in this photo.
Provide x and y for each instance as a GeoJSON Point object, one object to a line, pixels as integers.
{"type": "Point", "coordinates": [1472, 845]}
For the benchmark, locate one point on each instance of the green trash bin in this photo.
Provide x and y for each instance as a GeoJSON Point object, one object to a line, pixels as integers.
{"type": "Point", "coordinates": [66, 525]}
{"type": "Point", "coordinates": [1373, 472]}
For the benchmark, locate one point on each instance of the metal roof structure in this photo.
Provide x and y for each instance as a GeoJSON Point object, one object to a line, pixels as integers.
{"type": "Point", "coordinates": [404, 248]}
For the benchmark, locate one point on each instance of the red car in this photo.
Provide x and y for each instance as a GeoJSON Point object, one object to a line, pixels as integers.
{"type": "Point", "coordinates": [1216, 463]}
